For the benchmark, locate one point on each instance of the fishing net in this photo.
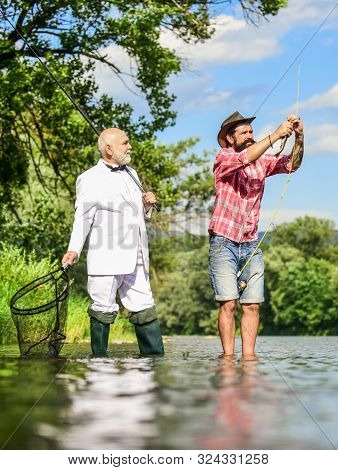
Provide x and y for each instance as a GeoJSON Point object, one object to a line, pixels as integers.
{"type": "Point", "coordinates": [39, 312]}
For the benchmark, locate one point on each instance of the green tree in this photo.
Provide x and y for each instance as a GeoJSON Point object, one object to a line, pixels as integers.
{"type": "Point", "coordinates": [39, 127]}
{"type": "Point", "coordinates": [36, 120]}
{"type": "Point", "coordinates": [276, 259]}
{"type": "Point", "coordinates": [185, 300]}
{"type": "Point", "coordinates": [45, 143]}
{"type": "Point", "coordinates": [305, 302]}
{"type": "Point", "coordinates": [313, 237]}
{"type": "Point", "coordinates": [301, 278]}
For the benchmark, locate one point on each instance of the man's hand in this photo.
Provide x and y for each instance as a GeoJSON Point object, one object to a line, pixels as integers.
{"type": "Point", "coordinates": [69, 258]}
{"type": "Point", "coordinates": [292, 124]}
{"type": "Point", "coordinates": [296, 124]}
{"type": "Point", "coordinates": [284, 130]}
{"type": "Point", "coordinates": [149, 199]}
{"type": "Point", "coordinates": [298, 148]}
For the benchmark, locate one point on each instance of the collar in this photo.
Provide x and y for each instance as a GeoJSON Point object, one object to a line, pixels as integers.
{"type": "Point", "coordinates": [113, 166]}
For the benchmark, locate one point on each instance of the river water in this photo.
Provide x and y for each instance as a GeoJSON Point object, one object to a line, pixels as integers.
{"type": "Point", "coordinates": [190, 399]}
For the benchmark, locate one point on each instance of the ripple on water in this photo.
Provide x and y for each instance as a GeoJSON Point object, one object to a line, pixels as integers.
{"type": "Point", "coordinates": [190, 399]}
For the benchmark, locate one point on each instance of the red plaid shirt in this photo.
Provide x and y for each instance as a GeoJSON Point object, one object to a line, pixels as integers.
{"type": "Point", "coordinates": [239, 191]}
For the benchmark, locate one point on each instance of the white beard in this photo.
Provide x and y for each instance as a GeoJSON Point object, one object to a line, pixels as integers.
{"type": "Point", "coordinates": [123, 159]}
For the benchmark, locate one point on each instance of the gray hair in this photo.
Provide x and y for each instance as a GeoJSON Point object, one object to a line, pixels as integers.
{"type": "Point", "coordinates": [101, 144]}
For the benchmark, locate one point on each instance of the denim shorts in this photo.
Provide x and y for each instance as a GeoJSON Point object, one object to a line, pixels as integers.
{"type": "Point", "coordinates": [226, 259]}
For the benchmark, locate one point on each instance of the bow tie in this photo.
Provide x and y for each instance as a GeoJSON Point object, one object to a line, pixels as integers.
{"type": "Point", "coordinates": [116, 168]}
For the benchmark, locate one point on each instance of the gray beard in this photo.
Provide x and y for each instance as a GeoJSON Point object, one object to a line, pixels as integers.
{"type": "Point", "coordinates": [122, 159]}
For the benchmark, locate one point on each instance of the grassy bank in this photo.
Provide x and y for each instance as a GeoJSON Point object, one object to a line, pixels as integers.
{"type": "Point", "coordinates": [18, 268]}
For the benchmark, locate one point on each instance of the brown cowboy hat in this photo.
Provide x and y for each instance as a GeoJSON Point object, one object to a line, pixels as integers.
{"type": "Point", "coordinates": [235, 118]}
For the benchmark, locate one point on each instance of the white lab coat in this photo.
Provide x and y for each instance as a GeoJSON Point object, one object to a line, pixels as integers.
{"type": "Point", "coordinates": [110, 212]}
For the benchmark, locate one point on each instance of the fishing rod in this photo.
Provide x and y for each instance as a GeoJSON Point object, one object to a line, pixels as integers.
{"type": "Point", "coordinates": [243, 283]}
{"type": "Point", "coordinates": [69, 96]}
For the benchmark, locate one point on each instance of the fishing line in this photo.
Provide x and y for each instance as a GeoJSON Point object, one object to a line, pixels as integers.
{"type": "Point", "coordinates": [283, 143]}
{"type": "Point", "coordinates": [274, 215]}
{"type": "Point", "coordinates": [297, 57]}
{"type": "Point", "coordinates": [279, 205]}
{"type": "Point", "coordinates": [300, 401]}
{"type": "Point", "coordinates": [68, 95]}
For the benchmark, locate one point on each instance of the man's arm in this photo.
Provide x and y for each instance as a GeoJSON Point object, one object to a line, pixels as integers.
{"type": "Point", "coordinates": [234, 161]}
{"type": "Point", "coordinates": [287, 163]}
{"type": "Point", "coordinates": [298, 148]}
{"type": "Point", "coordinates": [149, 199]}
{"type": "Point", "coordinates": [84, 215]}
{"type": "Point", "coordinates": [259, 148]}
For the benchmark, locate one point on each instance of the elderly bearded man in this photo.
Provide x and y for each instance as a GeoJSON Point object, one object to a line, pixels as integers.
{"type": "Point", "coordinates": [240, 169]}
{"type": "Point", "coordinates": [110, 211]}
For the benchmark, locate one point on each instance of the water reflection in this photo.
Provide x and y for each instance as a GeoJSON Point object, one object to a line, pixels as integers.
{"type": "Point", "coordinates": [28, 393]}
{"type": "Point", "coordinates": [234, 423]}
{"type": "Point", "coordinates": [115, 407]}
{"type": "Point", "coordinates": [189, 399]}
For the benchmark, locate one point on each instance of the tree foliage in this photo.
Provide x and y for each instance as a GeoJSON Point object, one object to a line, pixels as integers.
{"type": "Point", "coordinates": [255, 8]}
{"type": "Point", "coordinates": [39, 127]}
{"type": "Point", "coordinates": [305, 300]}
{"type": "Point", "coordinates": [184, 298]}
{"type": "Point", "coordinates": [311, 236]}
{"type": "Point", "coordinates": [45, 143]}
{"type": "Point", "coordinates": [301, 290]}
{"type": "Point", "coordinates": [301, 278]}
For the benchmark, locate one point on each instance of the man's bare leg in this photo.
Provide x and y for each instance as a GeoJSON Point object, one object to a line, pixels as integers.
{"type": "Point", "coordinates": [227, 325]}
{"type": "Point", "coordinates": [249, 329]}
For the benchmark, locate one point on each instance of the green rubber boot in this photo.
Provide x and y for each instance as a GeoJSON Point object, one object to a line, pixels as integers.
{"type": "Point", "coordinates": [99, 334]}
{"type": "Point", "coordinates": [149, 339]}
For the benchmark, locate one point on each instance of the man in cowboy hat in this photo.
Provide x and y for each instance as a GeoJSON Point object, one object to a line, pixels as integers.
{"type": "Point", "coordinates": [110, 212]}
{"type": "Point", "coordinates": [240, 169]}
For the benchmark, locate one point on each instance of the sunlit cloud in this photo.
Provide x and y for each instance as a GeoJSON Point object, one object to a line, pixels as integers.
{"type": "Point", "coordinates": [236, 41]}
{"type": "Point", "coordinates": [328, 99]}
{"type": "Point", "coordinates": [322, 139]}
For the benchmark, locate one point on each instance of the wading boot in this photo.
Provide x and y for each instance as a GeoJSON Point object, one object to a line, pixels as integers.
{"type": "Point", "coordinates": [149, 339]}
{"type": "Point", "coordinates": [99, 333]}
{"type": "Point", "coordinates": [148, 333]}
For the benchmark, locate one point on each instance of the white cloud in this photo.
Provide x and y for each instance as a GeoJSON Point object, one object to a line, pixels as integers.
{"type": "Point", "coordinates": [202, 98]}
{"type": "Point", "coordinates": [324, 100]}
{"type": "Point", "coordinates": [235, 41]}
{"type": "Point", "coordinates": [322, 139]}
{"type": "Point", "coordinates": [216, 97]}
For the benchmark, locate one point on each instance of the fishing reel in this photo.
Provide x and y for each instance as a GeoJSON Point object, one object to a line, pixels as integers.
{"type": "Point", "coordinates": [241, 283]}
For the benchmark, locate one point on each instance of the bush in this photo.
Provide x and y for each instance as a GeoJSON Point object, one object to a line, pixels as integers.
{"type": "Point", "coordinates": [305, 301]}
{"type": "Point", "coordinates": [18, 268]}
{"type": "Point", "coordinates": [185, 300]}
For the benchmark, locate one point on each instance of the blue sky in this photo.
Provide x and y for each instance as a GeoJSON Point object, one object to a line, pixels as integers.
{"type": "Point", "coordinates": [237, 68]}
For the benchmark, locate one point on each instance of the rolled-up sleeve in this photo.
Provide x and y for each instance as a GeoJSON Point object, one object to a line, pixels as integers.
{"type": "Point", "coordinates": [277, 165]}
{"type": "Point", "coordinates": [228, 162]}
